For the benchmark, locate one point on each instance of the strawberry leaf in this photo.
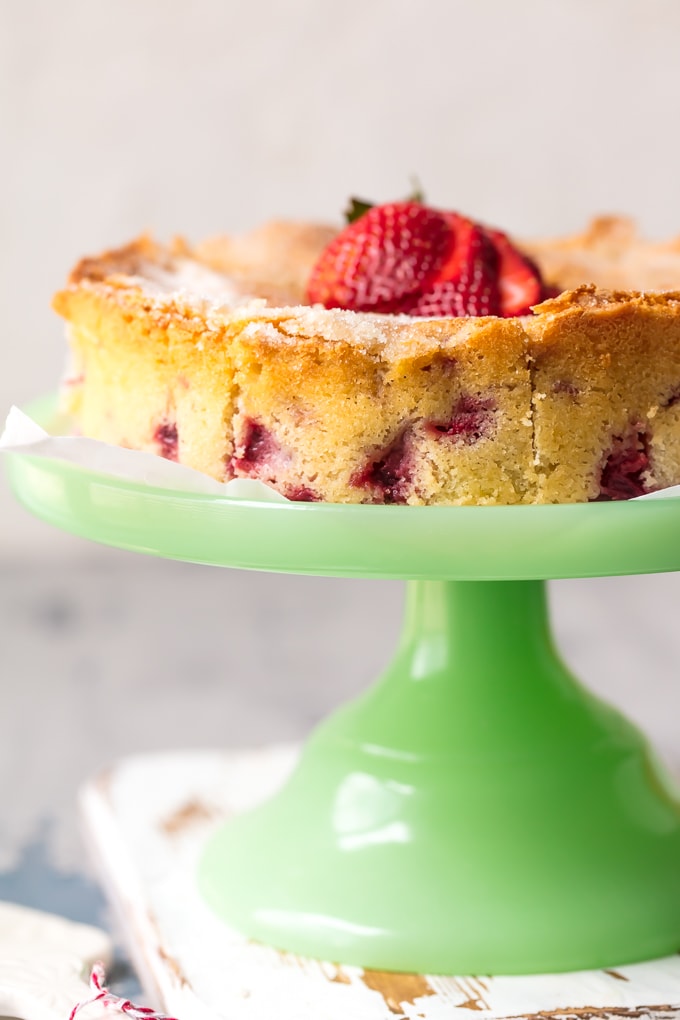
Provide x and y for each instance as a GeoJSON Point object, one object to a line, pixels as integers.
{"type": "Point", "coordinates": [356, 208]}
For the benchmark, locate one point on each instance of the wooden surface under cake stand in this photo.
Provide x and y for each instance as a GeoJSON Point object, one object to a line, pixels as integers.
{"type": "Point", "coordinates": [147, 820]}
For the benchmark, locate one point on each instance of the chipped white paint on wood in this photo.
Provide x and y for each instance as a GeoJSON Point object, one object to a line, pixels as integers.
{"type": "Point", "coordinates": [44, 964]}
{"type": "Point", "coordinates": [149, 818]}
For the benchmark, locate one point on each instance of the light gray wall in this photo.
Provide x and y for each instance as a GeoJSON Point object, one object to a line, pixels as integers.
{"type": "Point", "coordinates": [210, 115]}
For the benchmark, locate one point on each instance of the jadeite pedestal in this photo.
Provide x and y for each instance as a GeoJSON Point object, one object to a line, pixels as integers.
{"type": "Point", "coordinates": [477, 811]}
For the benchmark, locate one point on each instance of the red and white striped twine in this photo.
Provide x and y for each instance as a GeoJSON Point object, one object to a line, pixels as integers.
{"type": "Point", "coordinates": [116, 1002]}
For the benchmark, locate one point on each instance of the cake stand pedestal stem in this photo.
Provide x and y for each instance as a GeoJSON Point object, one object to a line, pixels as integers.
{"type": "Point", "coordinates": [475, 668]}
{"type": "Point", "coordinates": [477, 811]}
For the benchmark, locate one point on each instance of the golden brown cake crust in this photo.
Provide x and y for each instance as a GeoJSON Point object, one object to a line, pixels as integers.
{"type": "Point", "coordinates": [129, 260]}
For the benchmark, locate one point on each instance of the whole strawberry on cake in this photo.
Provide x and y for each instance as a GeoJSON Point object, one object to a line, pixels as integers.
{"type": "Point", "coordinates": [415, 356]}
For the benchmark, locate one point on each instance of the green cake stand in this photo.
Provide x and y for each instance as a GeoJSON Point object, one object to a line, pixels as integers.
{"type": "Point", "coordinates": [477, 811]}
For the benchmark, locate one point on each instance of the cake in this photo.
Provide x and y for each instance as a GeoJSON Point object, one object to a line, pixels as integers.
{"type": "Point", "coordinates": [291, 355]}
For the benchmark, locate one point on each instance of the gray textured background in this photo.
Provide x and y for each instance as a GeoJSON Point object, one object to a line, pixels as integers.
{"type": "Point", "coordinates": [209, 116]}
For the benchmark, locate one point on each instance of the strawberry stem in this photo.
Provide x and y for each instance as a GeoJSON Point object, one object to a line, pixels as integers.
{"type": "Point", "coordinates": [417, 193]}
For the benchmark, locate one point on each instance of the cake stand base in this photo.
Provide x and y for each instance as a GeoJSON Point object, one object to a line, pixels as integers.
{"type": "Point", "coordinates": [148, 820]}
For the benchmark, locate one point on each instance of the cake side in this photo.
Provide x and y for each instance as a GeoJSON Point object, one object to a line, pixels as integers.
{"type": "Point", "coordinates": [150, 368]}
{"type": "Point", "coordinates": [605, 379]}
{"type": "Point", "coordinates": [376, 409]}
{"type": "Point", "coordinates": [118, 383]}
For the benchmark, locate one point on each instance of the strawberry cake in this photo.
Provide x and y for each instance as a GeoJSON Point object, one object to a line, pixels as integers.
{"type": "Point", "coordinates": [414, 356]}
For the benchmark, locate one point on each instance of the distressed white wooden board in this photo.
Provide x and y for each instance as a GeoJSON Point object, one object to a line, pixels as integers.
{"type": "Point", "coordinates": [148, 819]}
{"type": "Point", "coordinates": [44, 964]}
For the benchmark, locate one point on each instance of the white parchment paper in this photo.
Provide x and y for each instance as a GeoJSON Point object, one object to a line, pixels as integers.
{"type": "Point", "coordinates": [23, 435]}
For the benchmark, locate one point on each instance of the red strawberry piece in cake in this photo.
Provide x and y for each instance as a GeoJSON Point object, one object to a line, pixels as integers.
{"type": "Point", "coordinates": [259, 453]}
{"type": "Point", "coordinates": [167, 439]}
{"type": "Point", "coordinates": [471, 419]}
{"type": "Point", "coordinates": [300, 494]}
{"type": "Point", "coordinates": [624, 469]}
{"type": "Point", "coordinates": [389, 474]}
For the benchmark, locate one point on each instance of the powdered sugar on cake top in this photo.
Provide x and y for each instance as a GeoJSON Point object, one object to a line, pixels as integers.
{"type": "Point", "coordinates": [185, 279]}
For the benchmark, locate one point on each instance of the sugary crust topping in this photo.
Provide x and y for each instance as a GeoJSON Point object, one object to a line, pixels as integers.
{"type": "Point", "coordinates": [611, 254]}
{"type": "Point", "coordinates": [171, 283]}
{"type": "Point", "coordinates": [161, 283]}
{"type": "Point", "coordinates": [255, 282]}
{"type": "Point", "coordinates": [268, 266]}
{"type": "Point", "coordinates": [391, 337]}
{"type": "Point", "coordinates": [588, 296]}
{"type": "Point", "coordinates": [403, 337]}
{"type": "Point", "coordinates": [279, 255]}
